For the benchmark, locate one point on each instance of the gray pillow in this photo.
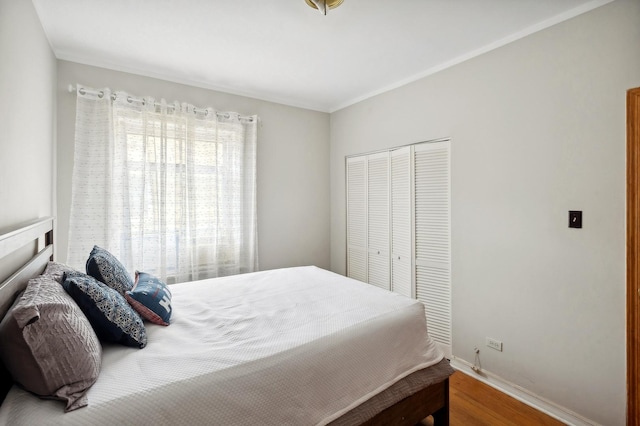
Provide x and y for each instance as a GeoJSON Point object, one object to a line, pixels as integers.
{"type": "Point", "coordinates": [57, 270]}
{"type": "Point", "coordinates": [48, 345]}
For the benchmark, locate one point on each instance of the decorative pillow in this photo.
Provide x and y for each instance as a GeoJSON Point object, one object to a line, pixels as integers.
{"type": "Point", "coordinates": [57, 270]}
{"type": "Point", "coordinates": [48, 344]}
{"type": "Point", "coordinates": [109, 313]}
{"type": "Point", "coordinates": [151, 298]}
{"type": "Point", "coordinates": [104, 267]}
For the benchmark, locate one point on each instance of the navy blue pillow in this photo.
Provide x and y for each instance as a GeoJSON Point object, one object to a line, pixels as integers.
{"type": "Point", "coordinates": [104, 267]}
{"type": "Point", "coordinates": [151, 298]}
{"type": "Point", "coordinates": [108, 312]}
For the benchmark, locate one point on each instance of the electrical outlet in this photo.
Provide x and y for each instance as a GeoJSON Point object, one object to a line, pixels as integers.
{"type": "Point", "coordinates": [494, 344]}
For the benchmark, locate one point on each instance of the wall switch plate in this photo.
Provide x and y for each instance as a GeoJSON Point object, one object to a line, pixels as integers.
{"type": "Point", "coordinates": [575, 218]}
{"type": "Point", "coordinates": [494, 344]}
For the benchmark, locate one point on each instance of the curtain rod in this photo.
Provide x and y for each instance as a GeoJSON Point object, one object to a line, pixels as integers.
{"type": "Point", "coordinates": [130, 99]}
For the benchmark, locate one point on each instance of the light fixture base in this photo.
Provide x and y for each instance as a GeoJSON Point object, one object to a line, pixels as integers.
{"type": "Point", "coordinates": [331, 4]}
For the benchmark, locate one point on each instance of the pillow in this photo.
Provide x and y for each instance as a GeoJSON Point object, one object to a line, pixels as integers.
{"type": "Point", "coordinates": [104, 267]}
{"type": "Point", "coordinates": [48, 344]}
{"type": "Point", "coordinates": [151, 298]}
{"type": "Point", "coordinates": [109, 313]}
{"type": "Point", "coordinates": [57, 270]}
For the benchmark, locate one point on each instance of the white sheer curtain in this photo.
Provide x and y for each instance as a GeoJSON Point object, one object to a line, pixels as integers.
{"type": "Point", "coordinates": [169, 189]}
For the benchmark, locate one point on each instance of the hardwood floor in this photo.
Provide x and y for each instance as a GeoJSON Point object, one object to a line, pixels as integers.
{"type": "Point", "coordinates": [473, 403]}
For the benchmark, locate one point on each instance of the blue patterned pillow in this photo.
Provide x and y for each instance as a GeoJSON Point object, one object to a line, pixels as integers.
{"type": "Point", "coordinates": [104, 267]}
{"type": "Point", "coordinates": [151, 298]}
{"type": "Point", "coordinates": [109, 313]}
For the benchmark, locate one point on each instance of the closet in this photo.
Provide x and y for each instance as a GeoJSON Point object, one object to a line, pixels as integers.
{"type": "Point", "coordinates": [399, 226]}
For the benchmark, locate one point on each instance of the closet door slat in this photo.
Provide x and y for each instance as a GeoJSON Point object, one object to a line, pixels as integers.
{"type": "Point", "coordinates": [433, 237]}
{"type": "Point", "coordinates": [357, 262]}
{"type": "Point", "coordinates": [401, 229]}
{"type": "Point", "coordinates": [378, 219]}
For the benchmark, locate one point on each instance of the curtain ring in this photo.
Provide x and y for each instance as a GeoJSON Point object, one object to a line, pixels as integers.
{"type": "Point", "coordinates": [129, 99]}
{"type": "Point", "coordinates": [100, 94]}
{"type": "Point", "coordinates": [82, 91]}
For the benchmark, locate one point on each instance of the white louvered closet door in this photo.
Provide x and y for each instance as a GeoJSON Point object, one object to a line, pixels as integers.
{"type": "Point", "coordinates": [432, 238]}
{"type": "Point", "coordinates": [401, 235]}
{"type": "Point", "coordinates": [378, 219]}
{"type": "Point", "coordinates": [357, 218]}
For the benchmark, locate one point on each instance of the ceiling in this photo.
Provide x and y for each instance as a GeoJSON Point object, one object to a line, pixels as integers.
{"type": "Point", "coordinates": [283, 50]}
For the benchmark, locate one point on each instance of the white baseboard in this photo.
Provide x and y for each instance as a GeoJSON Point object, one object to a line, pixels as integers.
{"type": "Point", "coordinates": [554, 410]}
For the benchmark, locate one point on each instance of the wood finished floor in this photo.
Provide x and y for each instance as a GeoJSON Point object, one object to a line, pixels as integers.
{"type": "Point", "coordinates": [473, 403]}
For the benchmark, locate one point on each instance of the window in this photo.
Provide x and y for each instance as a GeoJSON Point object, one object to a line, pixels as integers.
{"type": "Point", "coordinates": [178, 184]}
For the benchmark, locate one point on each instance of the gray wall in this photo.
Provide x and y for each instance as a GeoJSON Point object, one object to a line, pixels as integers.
{"type": "Point", "coordinates": [27, 122]}
{"type": "Point", "coordinates": [537, 129]}
{"type": "Point", "coordinates": [293, 154]}
{"type": "Point", "coordinates": [27, 111]}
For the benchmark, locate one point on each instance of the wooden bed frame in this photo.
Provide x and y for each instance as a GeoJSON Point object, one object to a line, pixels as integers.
{"type": "Point", "coordinates": [432, 400]}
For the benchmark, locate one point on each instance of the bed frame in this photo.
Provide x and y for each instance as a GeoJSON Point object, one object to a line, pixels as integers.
{"type": "Point", "coordinates": [432, 400]}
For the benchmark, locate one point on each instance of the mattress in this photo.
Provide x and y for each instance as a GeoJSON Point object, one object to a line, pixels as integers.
{"type": "Point", "coordinates": [288, 346]}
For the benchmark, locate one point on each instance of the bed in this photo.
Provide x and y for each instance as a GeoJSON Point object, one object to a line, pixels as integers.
{"type": "Point", "coordinates": [289, 346]}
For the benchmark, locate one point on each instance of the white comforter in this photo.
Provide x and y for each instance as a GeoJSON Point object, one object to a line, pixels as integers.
{"type": "Point", "coordinates": [292, 346]}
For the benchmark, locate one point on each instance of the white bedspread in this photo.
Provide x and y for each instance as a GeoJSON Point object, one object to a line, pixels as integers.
{"type": "Point", "coordinates": [295, 346]}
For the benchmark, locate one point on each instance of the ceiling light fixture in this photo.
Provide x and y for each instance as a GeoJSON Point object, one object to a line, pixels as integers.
{"type": "Point", "coordinates": [323, 5]}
